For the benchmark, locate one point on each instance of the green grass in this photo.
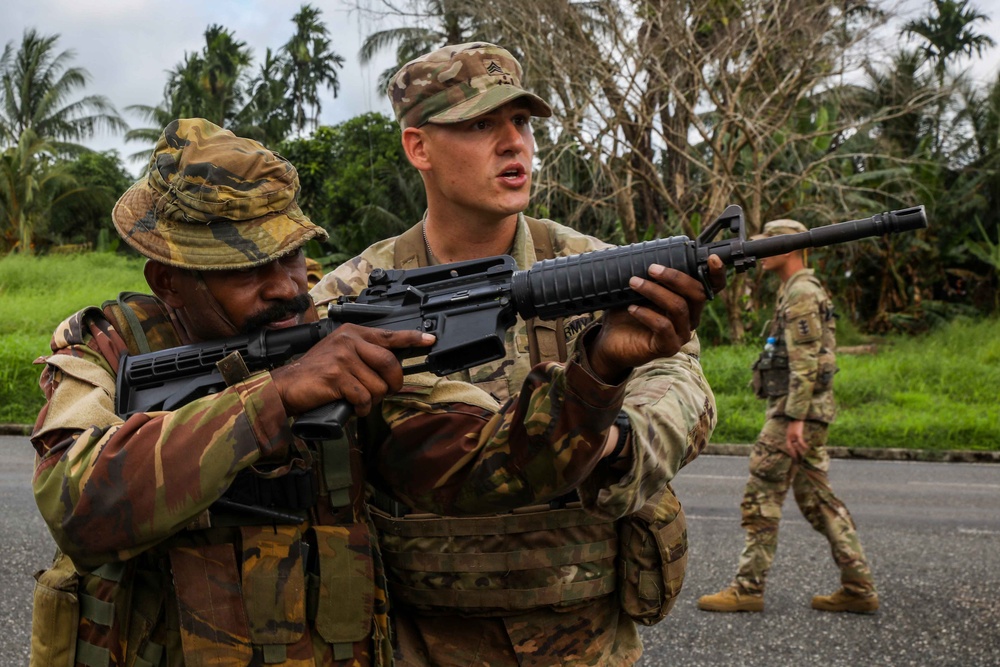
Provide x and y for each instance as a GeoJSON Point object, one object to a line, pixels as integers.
{"type": "Point", "coordinates": [36, 294]}
{"type": "Point", "coordinates": [934, 392]}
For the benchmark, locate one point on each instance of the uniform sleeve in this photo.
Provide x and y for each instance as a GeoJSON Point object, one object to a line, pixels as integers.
{"type": "Point", "coordinates": [803, 337]}
{"type": "Point", "coordinates": [109, 489]}
{"type": "Point", "coordinates": [671, 409]}
{"type": "Point", "coordinates": [454, 451]}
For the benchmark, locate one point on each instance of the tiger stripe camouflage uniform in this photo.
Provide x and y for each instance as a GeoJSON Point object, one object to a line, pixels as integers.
{"type": "Point", "coordinates": [672, 412]}
{"type": "Point", "coordinates": [804, 325]}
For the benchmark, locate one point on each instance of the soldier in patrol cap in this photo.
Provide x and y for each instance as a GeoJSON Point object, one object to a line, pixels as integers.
{"type": "Point", "coordinates": [545, 578]}
{"type": "Point", "coordinates": [152, 569]}
{"type": "Point", "coordinates": [795, 374]}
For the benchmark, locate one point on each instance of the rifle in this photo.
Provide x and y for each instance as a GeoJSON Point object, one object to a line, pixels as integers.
{"type": "Point", "coordinates": [468, 306]}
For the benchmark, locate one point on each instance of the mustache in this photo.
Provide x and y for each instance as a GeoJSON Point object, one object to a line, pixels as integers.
{"type": "Point", "coordinates": [276, 312]}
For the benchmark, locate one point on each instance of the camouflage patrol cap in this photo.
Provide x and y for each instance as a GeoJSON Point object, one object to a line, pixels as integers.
{"type": "Point", "coordinates": [212, 200]}
{"type": "Point", "coordinates": [778, 227]}
{"type": "Point", "coordinates": [457, 83]}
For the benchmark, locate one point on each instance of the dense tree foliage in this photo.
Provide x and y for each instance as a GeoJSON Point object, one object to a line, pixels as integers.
{"type": "Point", "coordinates": [86, 219]}
{"type": "Point", "coordinates": [356, 182]}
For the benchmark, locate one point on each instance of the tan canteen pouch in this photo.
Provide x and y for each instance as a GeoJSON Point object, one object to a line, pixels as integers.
{"type": "Point", "coordinates": [652, 558]}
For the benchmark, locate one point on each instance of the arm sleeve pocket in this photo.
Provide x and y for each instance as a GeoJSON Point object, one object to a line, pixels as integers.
{"type": "Point", "coordinates": [804, 322]}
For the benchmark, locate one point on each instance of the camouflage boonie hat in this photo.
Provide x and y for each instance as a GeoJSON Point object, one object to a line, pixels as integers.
{"type": "Point", "coordinates": [778, 227]}
{"type": "Point", "coordinates": [212, 200]}
{"type": "Point", "coordinates": [457, 83]}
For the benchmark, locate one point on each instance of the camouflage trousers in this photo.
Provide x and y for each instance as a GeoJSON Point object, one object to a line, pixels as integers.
{"type": "Point", "coordinates": [772, 471]}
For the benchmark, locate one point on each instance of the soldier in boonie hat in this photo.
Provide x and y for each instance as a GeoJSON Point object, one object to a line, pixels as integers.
{"type": "Point", "coordinates": [206, 479]}
{"type": "Point", "coordinates": [458, 83]}
{"type": "Point", "coordinates": [212, 200]}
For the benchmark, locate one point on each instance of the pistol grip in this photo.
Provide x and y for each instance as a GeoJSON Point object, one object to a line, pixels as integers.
{"type": "Point", "coordinates": [323, 423]}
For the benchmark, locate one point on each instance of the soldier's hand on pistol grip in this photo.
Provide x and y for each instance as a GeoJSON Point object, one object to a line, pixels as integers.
{"type": "Point", "coordinates": [353, 363]}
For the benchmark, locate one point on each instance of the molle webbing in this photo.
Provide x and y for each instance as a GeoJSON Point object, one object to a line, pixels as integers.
{"type": "Point", "coordinates": [537, 557]}
{"type": "Point", "coordinates": [99, 631]}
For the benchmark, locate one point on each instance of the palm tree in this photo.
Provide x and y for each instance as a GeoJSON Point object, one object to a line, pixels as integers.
{"type": "Point", "coordinates": [450, 22]}
{"type": "Point", "coordinates": [32, 181]}
{"type": "Point", "coordinates": [37, 87]}
{"type": "Point", "coordinates": [268, 115]}
{"type": "Point", "coordinates": [224, 64]}
{"type": "Point", "coordinates": [948, 31]}
{"type": "Point", "coordinates": [211, 84]}
{"type": "Point", "coordinates": [311, 64]}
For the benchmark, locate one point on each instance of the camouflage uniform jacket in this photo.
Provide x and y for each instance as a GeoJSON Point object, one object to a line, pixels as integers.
{"type": "Point", "coordinates": [804, 316]}
{"type": "Point", "coordinates": [163, 580]}
{"type": "Point", "coordinates": [669, 404]}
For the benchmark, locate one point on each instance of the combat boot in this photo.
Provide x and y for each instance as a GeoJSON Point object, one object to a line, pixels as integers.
{"type": "Point", "coordinates": [844, 600]}
{"type": "Point", "coordinates": [731, 599]}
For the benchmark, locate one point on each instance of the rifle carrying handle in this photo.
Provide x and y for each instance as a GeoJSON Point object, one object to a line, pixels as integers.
{"type": "Point", "coordinates": [323, 423]}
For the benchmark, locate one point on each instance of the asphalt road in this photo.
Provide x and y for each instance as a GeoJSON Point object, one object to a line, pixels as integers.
{"type": "Point", "coordinates": [932, 535]}
{"type": "Point", "coordinates": [931, 531]}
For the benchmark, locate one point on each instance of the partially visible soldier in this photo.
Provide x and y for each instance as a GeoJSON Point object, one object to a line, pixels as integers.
{"type": "Point", "coordinates": [795, 374]}
{"type": "Point", "coordinates": [314, 272]}
{"type": "Point", "coordinates": [558, 579]}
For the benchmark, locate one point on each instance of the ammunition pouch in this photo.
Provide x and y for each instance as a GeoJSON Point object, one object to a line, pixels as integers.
{"type": "Point", "coordinates": [652, 558]}
{"type": "Point", "coordinates": [532, 558]}
{"type": "Point", "coordinates": [233, 606]}
{"type": "Point", "coordinates": [55, 615]}
{"type": "Point", "coordinates": [770, 374]}
{"type": "Point", "coordinates": [341, 584]}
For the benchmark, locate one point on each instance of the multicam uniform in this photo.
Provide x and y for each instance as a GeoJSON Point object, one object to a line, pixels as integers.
{"type": "Point", "coordinates": [798, 385]}
{"type": "Point", "coordinates": [538, 586]}
{"type": "Point", "coordinates": [168, 581]}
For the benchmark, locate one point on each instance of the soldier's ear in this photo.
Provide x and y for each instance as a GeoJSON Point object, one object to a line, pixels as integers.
{"type": "Point", "coordinates": [415, 145]}
{"type": "Point", "coordinates": [165, 281]}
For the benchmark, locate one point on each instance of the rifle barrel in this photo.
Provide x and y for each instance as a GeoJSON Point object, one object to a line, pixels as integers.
{"type": "Point", "coordinates": [891, 222]}
{"type": "Point", "coordinates": [598, 280]}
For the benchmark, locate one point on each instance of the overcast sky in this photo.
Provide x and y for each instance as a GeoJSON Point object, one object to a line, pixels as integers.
{"type": "Point", "coordinates": [128, 45]}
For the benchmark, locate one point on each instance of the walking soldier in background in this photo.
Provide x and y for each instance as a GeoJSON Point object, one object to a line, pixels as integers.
{"type": "Point", "coordinates": [795, 374]}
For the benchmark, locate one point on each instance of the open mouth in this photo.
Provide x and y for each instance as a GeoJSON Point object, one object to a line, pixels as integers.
{"type": "Point", "coordinates": [513, 172]}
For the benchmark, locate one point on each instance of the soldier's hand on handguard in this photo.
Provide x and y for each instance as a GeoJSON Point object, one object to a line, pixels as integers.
{"type": "Point", "coordinates": [353, 363]}
{"type": "Point", "coordinates": [638, 334]}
